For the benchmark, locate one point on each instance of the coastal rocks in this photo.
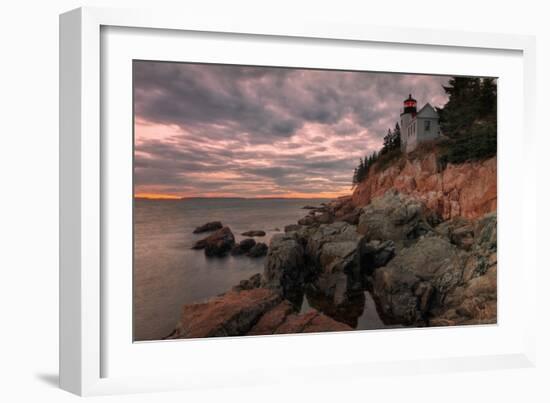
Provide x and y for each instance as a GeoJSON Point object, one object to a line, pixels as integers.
{"type": "Point", "coordinates": [468, 190]}
{"type": "Point", "coordinates": [327, 257]}
{"type": "Point", "coordinates": [243, 247]}
{"type": "Point", "coordinates": [292, 227]}
{"type": "Point", "coordinates": [255, 311]}
{"type": "Point", "coordinates": [232, 314]}
{"type": "Point", "coordinates": [444, 279]}
{"type": "Point", "coordinates": [209, 226]}
{"type": "Point", "coordinates": [254, 233]}
{"type": "Point", "coordinates": [272, 319]}
{"type": "Point", "coordinates": [258, 250]}
{"type": "Point", "coordinates": [333, 251]}
{"type": "Point", "coordinates": [217, 244]}
{"type": "Point", "coordinates": [375, 254]}
{"type": "Point", "coordinates": [285, 269]}
{"type": "Point", "coordinates": [283, 320]}
{"type": "Point", "coordinates": [473, 303]}
{"type": "Point", "coordinates": [418, 276]}
{"type": "Point", "coordinates": [307, 220]}
{"type": "Point", "coordinates": [255, 281]}
{"type": "Point", "coordinates": [396, 217]}
{"type": "Point", "coordinates": [310, 322]}
{"type": "Point", "coordinates": [351, 217]}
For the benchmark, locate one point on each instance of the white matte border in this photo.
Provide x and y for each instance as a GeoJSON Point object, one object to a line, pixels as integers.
{"type": "Point", "coordinates": [193, 367]}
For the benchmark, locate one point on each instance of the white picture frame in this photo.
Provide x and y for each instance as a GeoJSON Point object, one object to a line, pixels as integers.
{"type": "Point", "coordinates": [88, 317]}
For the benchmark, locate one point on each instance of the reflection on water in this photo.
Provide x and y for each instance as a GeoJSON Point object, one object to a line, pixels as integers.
{"type": "Point", "coordinates": [168, 274]}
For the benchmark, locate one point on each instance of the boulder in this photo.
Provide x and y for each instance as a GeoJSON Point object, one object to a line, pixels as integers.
{"type": "Point", "coordinates": [307, 220]}
{"type": "Point", "coordinates": [242, 247]}
{"type": "Point", "coordinates": [473, 303]}
{"type": "Point", "coordinates": [417, 280]}
{"type": "Point", "coordinates": [292, 227]}
{"type": "Point", "coordinates": [332, 250]}
{"type": "Point", "coordinates": [351, 217]}
{"type": "Point", "coordinates": [272, 319]}
{"type": "Point", "coordinates": [310, 322]}
{"type": "Point", "coordinates": [217, 244]}
{"type": "Point", "coordinates": [395, 217]}
{"type": "Point", "coordinates": [209, 226]}
{"type": "Point", "coordinates": [254, 233]}
{"type": "Point", "coordinates": [255, 281]}
{"type": "Point", "coordinates": [375, 254]}
{"type": "Point", "coordinates": [285, 269]}
{"type": "Point", "coordinates": [232, 314]}
{"type": "Point", "coordinates": [258, 250]}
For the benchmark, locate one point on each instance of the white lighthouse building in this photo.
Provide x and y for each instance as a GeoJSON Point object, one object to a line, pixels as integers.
{"type": "Point", "coordinates": [417, 127]}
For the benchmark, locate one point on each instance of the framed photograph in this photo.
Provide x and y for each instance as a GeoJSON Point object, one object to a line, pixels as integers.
{"type": "Point", "coordinates": [235, 199]}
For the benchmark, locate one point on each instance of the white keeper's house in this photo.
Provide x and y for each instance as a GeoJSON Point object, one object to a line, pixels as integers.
{"type": "Point", "coordinates": [417, 127]}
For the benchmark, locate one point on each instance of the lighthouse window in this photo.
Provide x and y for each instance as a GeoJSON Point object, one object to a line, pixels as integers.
{"type": "Point", "coordinates": [427, 125]}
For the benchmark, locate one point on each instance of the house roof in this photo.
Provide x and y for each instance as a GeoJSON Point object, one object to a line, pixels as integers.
{"type": "Point", "coordinates": [427, 111]}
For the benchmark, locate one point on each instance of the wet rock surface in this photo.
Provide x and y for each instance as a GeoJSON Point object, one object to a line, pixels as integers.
{"type": "Point", "coordinates": [285, 268]}
{"type": "Point", "coordinates": [243, 247]}
{"type": "Point", "coordinates": [217, 244]}
{"type": "Point", "coordinates": [232, 314]}
{"type": "Point", "coordinates": [258, 250]}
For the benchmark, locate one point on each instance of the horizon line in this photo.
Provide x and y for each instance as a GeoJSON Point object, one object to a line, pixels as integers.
{"type": "Point", "coordinates": [170, 197]}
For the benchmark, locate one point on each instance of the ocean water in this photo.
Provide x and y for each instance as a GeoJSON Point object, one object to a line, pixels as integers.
{"type": "Point", "coordinates": [168, 273]}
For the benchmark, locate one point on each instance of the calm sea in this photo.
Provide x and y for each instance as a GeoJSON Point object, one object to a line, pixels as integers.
{"type": "Point", "coordinates": [168, 273]}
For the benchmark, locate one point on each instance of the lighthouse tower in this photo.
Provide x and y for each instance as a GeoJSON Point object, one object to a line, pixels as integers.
{"type": "Point", "coordinates": [408, 115]}
{"type": "Point", "coordinates": [418, 127]}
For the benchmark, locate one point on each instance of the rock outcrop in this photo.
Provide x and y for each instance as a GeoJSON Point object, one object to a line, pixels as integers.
{"type": "Point", "coordinates": [232, 314]}
{"type": "Point", "coordinates": [243, 247]}
{"type": "Point", "coordinates": [438, 280]}
{"type": "Point", "coordinates": [285, 267]}
{"type": "Point", "coordinates": [332, 250]}
{"type": "Point", "coordinates": [467, 190]}
{"type": "Point", "coordinates": [258, 250]}
{"type": "Point", "coordinates": [397, 217]}
{"type": "Point", "coordinates": [258, 311]}
{"type": "Point", "coordinates": [217, 244]}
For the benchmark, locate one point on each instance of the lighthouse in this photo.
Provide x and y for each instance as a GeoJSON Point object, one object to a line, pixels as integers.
{"type": "Point", "coordinates": [417, 126]}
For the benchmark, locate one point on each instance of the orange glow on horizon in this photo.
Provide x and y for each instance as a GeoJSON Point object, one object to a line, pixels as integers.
{"type": "Point", "coordinates": [323, 195]}
{"type": "Point", "coordinates": [155, 196]}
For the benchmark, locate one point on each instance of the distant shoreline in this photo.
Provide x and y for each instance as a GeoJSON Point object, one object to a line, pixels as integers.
{"type": "Point", "coordinates": [232, 198]}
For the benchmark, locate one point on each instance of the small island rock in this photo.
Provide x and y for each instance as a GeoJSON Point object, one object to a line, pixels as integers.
{"type": "Point", "coordinates": [254, 233]}
{"type": "Point", "coordinates": [258, 250]}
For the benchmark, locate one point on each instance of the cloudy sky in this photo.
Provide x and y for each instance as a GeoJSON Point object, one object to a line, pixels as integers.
{"type": "Point", "coordinates": [235, 131]}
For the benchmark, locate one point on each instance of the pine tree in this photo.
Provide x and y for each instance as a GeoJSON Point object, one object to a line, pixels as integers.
{"type": "Point", "coordinates": [396, 143]}
{"type": "Point", "coordinates": [469, 119]}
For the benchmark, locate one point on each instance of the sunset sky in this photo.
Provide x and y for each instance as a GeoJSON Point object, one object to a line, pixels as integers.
{"type": "Point", "coordinates": [234, 131]}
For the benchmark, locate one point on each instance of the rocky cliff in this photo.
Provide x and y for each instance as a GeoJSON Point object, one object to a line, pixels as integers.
{"type": "Point", "coordinates": [466, 190]}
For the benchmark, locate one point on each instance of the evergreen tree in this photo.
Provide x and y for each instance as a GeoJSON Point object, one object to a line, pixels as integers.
{"type": "Point", "coordinates": [388, 140]}
{"type": "Point", "coordinates": [396, 144]}
{"type": "Point", "coordinates": [469, 119]}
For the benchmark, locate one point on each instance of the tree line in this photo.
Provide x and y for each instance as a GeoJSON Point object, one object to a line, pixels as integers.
{"type": "Point", "coordinates": [469, 119]}
{"type": "Point", "coordinates": [392, 141]}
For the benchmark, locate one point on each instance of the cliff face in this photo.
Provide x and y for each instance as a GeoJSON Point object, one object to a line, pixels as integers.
{"type": "Point", "coordinates": [467, 190]}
